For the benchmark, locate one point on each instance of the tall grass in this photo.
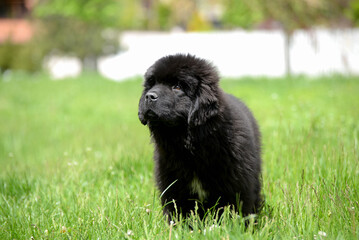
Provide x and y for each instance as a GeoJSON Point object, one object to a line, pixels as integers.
{"type": "Point", "coordinates": [77, 164]}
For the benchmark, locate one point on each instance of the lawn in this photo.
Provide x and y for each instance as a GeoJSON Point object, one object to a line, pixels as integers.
{"type": "Point", "coordinates": [77, 164]}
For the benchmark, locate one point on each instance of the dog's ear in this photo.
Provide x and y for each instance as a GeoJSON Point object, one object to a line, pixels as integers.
{"type": "Point", "coordinates": [205, 106]}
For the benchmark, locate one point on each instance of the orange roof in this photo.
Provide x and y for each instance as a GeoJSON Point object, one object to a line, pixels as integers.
{"type": "Point", "coordinates": [15, 30]}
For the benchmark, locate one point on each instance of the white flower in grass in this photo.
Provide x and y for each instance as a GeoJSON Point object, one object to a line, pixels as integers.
{"type": "Point", "coordinates": [213, 227]}
{"type": "Point", "coordinates": [172, 222]}
{"type": "Point", "coordinates": [129, 233]}
{"type": "Point", "coordinates": [321, 233]}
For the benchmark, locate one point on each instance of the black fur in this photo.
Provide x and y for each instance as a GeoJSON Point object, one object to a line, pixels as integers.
{"type": "Point", "coordinates": [204, 138]}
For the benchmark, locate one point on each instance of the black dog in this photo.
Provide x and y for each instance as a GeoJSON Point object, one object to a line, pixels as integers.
{"type": "Point", "coordinates": [207, 142]}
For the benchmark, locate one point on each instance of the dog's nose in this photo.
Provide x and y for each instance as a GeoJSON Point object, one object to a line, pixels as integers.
{"type": "Point", "coordinates": [151, 96]}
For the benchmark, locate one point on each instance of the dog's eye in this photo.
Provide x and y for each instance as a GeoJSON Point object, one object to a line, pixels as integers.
{"type": "Point", "coordinates": [151, 80]}
{"type": "Point", "coordinates": [176, 87]}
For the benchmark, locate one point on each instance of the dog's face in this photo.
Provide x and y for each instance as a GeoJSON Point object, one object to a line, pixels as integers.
{"type": "Point", "coordinates": [179, 90]}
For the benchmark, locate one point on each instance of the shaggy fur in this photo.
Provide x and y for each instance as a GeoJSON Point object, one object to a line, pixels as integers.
{"type": "Point", "coordinates": [207, 142]}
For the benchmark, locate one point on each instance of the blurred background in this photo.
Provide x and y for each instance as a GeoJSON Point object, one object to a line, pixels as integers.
{"type": "Point", "coordinates": [76, 163]}
{"type": "Point", "coordinates": [121, 38]}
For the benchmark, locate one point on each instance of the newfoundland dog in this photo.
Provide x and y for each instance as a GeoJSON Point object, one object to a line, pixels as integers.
{"type": "Point", "coordinates": [207, 143]}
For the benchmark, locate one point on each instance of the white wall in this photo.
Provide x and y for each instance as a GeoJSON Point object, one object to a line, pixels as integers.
{"type": "Point", "coordinates": [240, 53]}
{"type": "Point", "coordinates": [62, 67]}
{"type": "Point", "coordinates": [322, 51]}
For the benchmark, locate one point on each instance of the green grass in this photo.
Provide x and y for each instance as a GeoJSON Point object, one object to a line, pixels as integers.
{"type": "Point", "coordinates": [77, 164]}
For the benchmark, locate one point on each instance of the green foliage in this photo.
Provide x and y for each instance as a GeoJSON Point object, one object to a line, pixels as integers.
{"type": "Point", "coordinates": [198, 23]}
{"type": "Point", "coordinates": [291, 14]}
{"type": "Point", "coordinates": [76, 163]}
{"type": "Point", "coordinates": [353, 12]}
{"type": "Point", "coordinates": [27, 57]}
{"type": "Point", "coordinates": [130, 14]}
{"type": "Point", "coordinates": [241, 13]}
{"type": "Point", "coordinates": [78, 28]}
{"type": "Point", "coordinates": [123, 14]}
{"type": "Point", "coordinates": [63, 35]}
{"type": "Point", "coordinates": [164, 13]}
{"type": "Point", "coordinates": [99, 12]}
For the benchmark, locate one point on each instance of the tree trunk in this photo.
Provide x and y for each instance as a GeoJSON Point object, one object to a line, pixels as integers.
{"type": "Point", "coordinates": [89, 64]}
{"type": "Point", "coordinates": [287, 43]}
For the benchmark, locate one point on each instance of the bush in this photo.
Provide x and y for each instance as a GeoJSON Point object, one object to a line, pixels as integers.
{"type": "Point", "coordinates": [14, 56]}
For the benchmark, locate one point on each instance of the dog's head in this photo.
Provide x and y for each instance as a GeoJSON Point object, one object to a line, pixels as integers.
{"type": "Point", "coordinates": [179, 89]}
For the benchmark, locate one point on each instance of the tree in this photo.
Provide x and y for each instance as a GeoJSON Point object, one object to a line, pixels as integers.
{"type": "Point", "coordinates": [78, 28]}
{"type": "Point", "coordinates": [353, 12]}
{"type": "Point", "coordinates": [291, 15]}
{"type": "Point", "coordinates": [166, 14]}
{"type": "Point", "coordinates": [241, 13]}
